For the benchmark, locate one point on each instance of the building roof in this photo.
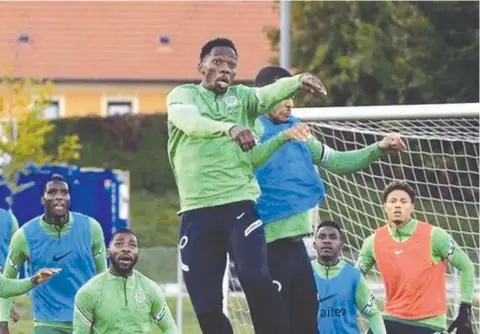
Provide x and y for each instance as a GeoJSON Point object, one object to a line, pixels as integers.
{"type": "Point", "coordinates": [121, 40]}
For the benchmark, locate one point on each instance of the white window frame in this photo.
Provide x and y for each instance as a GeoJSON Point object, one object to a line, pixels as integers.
{"type": "Point", "coordinates": [55, 98]}
{"type": "Point", "coordinates": [133, 100]}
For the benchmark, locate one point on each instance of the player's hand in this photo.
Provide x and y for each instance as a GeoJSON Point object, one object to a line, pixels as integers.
{"type": "Point", "coordinates": [44, 275]}
{"type": "Point", "coordinates": [392, 143]}
{"type": "Point", "coordinates": [297, 132]}
{"type": "Point", "coordinates": [14, 313]}
{"type": "Point", "coordinates": [243, 136]}
{"type": "Point", "coordinates": [463, 323]}
{"type": "Point", "coordinates": [312, 84]}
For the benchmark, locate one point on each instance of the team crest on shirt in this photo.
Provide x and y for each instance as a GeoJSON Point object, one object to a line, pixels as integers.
{"type": "Point", "coordinates": [140, 297]}
{"type": "Point", "coordinates": [231, 102]}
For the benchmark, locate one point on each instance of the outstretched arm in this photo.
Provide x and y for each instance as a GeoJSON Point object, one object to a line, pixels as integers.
{"type": "Point", "coordinates": [160, 312]}
{"type": "Point", "coordinates": [366, 304]}
{"type": "Point", "coordinates": [342, 162]}
{"type": "Point", "coordinates": [17, 255]}
{"type": "Point", "coordinates": [262, 100]}
{"type": "Point", "coordinates": [183, 113]}
{"type": "Point", "coordinates": [354, 160]}
{"type": "Point", "coordinates": [14, 287]}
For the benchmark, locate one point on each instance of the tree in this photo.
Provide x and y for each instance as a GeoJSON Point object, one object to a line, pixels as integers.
{"type": "Point", "coordinates": [387, 52]}
{"type": "Point", "coordinates": [23, 130]}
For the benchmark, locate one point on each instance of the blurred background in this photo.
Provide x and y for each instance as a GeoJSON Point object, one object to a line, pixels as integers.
{"type": "Point", "coordinates": [84, 84]}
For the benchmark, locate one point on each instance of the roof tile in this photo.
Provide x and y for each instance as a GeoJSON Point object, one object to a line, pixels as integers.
{"type": "Point", "coordinates": [120, 40]}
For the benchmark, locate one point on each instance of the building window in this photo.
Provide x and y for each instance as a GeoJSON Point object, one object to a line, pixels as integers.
{"type": "Point", "coordinates": [119, 107]}
{"type": "Point", "coordinates": [51, 110]}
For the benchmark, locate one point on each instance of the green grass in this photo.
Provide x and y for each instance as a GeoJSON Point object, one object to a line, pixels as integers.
{"type": "Point", "coordinates": [240, 319]}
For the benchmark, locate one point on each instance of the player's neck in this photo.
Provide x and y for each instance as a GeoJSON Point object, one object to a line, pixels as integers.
{"type": "Point", "coordinates": [397, 225]}
{"type": "Point", "coordinates": [119, 273]}
{"type": "Point", "coordinates": [56, 221]}
{"type": "Point", "coordinates": [330, 262]}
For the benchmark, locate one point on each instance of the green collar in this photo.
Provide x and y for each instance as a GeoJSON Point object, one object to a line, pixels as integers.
{"type": "Point", "coordinates": [51, 227]}
{"type": "Point", "coordinates": [405, 230]}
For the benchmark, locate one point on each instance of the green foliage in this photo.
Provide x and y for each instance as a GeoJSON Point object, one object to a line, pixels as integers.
{"type": "Point", "coordinates": [136, 143]}
{"type": "Point", "coordinates": [24, 130]}
{"type": "Point", "coordinates": [387, 52]}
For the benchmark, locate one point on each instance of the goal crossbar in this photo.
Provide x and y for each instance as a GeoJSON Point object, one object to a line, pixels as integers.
{"type": "Point", "coordinates": [418, 111]}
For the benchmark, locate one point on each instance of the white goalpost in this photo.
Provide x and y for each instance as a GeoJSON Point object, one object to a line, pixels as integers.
{"type": "Point", "coordinates": [441, 163]}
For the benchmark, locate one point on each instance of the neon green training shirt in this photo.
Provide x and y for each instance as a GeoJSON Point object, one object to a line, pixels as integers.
{"type": "Point", "coordinates": [210, 169]}
{"type": "Point", "coordinates": [443, 248]}
{"type": "Point", "coordinates": [117, 305]}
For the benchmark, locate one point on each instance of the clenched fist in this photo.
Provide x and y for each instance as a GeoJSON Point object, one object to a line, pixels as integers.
{"type": "Point", "coordinates": [297, 132]}
{"type": "Point", "coordinates": [392, 143]}
{"type": "Point", "coordinates": [312, 84]}
{"type": "Point", "coordinates": [243, 136]}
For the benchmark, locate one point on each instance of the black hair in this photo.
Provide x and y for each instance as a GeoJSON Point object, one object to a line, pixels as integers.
{"type": "Point", "coordinates": [399, 185]}
{"type": "Point", "coordinates": [54, 177]}
{"type": "Point", "coordinates": [121, 231]}
{"type": "Point", "coordinates": [214, 43]}
{"type": "Point", "coordinates": [270, 74]}
{"type": "Point", "coordinates": [329, 223]}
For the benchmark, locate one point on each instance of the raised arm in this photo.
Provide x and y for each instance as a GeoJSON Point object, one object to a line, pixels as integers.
{"type": "Point", "coordinates": [366, 304]}
{"type": "Point", "coordinates": [366, 259]}
{"type": "Point", "coordinates": [83, 313]}
{"type": "Point", "coordinates": [354, 160]}
{"type": "Point", "coordinates": [160, 312]}
{"type": "Point", "coordinates": [98, 247]}
{"type": "Point", "coordinates": [183, 113]}
{"type": "Point", "coordinates": [342, 162]}
{"type": "Point", "coordinates": [263, 99]}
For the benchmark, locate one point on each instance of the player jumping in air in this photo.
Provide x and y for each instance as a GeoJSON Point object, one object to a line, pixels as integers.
{"type": "Point", "coordinates": [290, 187]}
{"type": "Point", "coordinates": [341, 288]}
{"type": "Point", "coordinates": [121, 300]}
{"type": "Point", "coordinates": [411, 256]}
{"type": "Point", "coordinates": [217, 186]}
{"type": "Point", "coordinates": [8, 226]}
{"type": "Point", "coordinates": [59, 238]}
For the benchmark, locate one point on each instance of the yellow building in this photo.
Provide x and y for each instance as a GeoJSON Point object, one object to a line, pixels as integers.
{"type": "Point", "coordinates": [115, 57]}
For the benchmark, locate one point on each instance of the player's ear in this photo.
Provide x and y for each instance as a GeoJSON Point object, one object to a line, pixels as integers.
{"type": "Point", "coordinates": [42, 200]}
{"type": "Point", "coordinates": [200, 67]}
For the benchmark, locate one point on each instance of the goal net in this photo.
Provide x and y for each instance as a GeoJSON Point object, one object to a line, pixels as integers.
{"type": "Point", "coordinates": [441, 163]}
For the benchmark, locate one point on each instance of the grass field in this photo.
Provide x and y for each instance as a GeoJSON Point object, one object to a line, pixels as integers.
{"type": "Point", "coordinates": [241, 319]}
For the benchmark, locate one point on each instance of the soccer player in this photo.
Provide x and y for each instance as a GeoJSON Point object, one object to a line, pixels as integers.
{"type": "Point", "coordinates": [411, 256]}
{"type": "Point", "coordinates": [121, 300]}
{"type": "Point", "coordinates": [291, 186]}
{"type": "Point", "coordinates": [8, 226]}
{"type": "Point", "coordinates": [216, 183]}
{"type": "Point", "coordinates": [341, 288]}
{"type": "Point", "coordinates": [58, 238]}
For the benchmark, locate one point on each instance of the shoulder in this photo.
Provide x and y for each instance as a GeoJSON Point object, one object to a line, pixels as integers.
{"type": "Point", "coordinates": [352, 269]}
{"type": "Point", "coordinates": [181, 90]}
{"type": "Point", "coordinates": [147, 283]}
{"type": "Point", "coordinates": [32, 223]}
{"type": "Point", "coordinates": [440, 234]}
{"type": "Point", "coordinates": [18, 238]}
{"type": "Point", "coordinates": [93, 284]}
{"type": "Point", "coordinates": [369, 240]}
